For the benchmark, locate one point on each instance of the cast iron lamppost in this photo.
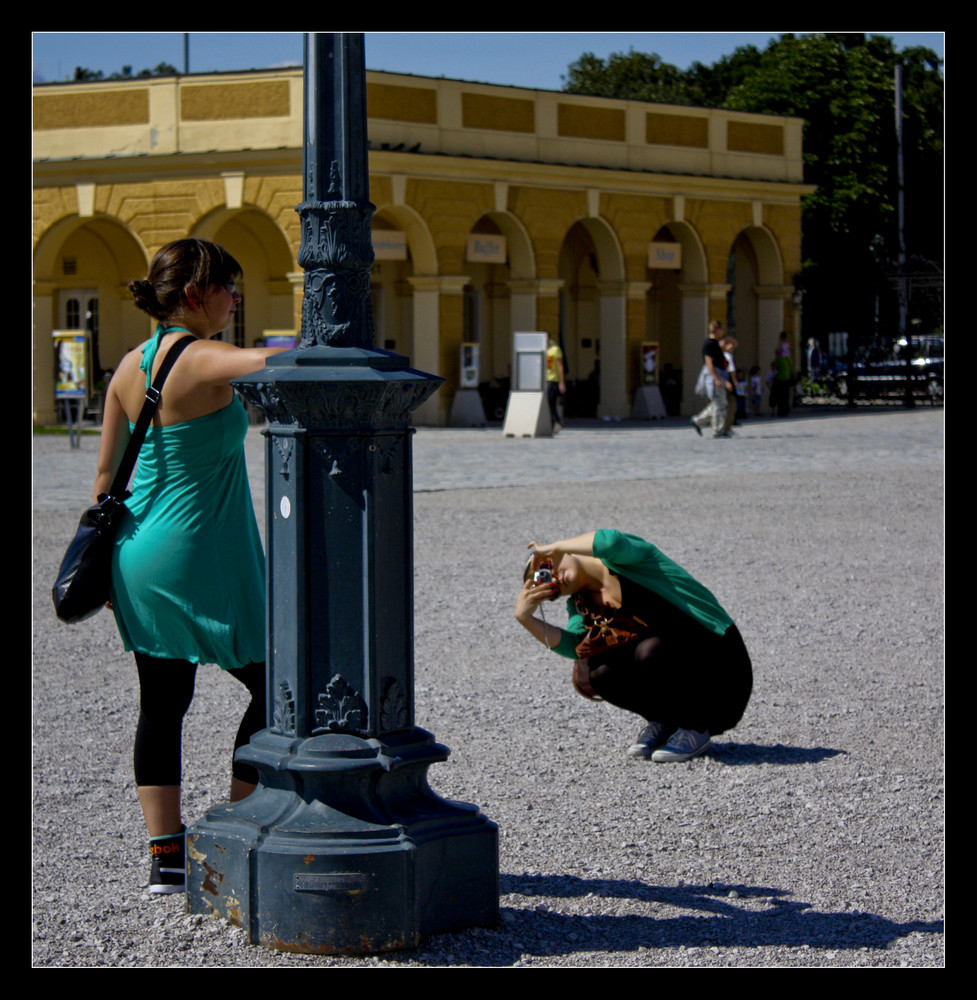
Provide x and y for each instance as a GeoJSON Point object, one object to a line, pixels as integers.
{"type": "Point", "coordinates": [343, 847]}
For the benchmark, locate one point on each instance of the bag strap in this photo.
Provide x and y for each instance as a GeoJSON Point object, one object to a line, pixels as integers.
{"type": "Point", "coordinates": [603, 614]}
{"type": "Point", "coordinates": [149, 407]}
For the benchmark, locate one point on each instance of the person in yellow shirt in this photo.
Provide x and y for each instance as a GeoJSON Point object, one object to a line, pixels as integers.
{"type": "Point", "coordinates": [556, 385]}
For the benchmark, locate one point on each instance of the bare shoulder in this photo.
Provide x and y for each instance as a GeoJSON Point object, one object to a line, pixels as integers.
{"type": "Point", "coordinates": [126, 369]}
{"type": "Point", "coordinates": [131, 359]}
{"type": "Point", "coordinates": [128, 385]}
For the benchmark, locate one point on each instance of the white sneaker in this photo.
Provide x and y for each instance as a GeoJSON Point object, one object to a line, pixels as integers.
{"type": "Point", "coordinates": [683, 744]}
{"type": "Point", "coordinates": [652, 736]}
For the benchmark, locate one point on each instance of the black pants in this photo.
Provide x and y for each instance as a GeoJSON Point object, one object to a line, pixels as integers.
{"type": "Point", "coordinates": [684, 683]}
{"type": "Point", "coordinates": [552, 397]}
{"type": "Point", "coordinates": [165, 693]}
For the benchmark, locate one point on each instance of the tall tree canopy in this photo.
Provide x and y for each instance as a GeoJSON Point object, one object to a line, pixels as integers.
{"type": "Point", "coordinates": [843, 86]}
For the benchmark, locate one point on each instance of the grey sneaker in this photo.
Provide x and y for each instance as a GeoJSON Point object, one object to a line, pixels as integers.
{"type": "Point", "coordinates": [683, 744]}
{"type": "Point", "coordinates": [652, 736]}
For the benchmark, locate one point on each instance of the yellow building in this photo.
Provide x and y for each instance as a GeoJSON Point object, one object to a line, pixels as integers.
{"type": "Point", "coordinates": [605, 223]}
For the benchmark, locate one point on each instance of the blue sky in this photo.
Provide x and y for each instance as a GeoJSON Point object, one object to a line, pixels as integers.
{"type": "Point", "coordinates": [531, 59]}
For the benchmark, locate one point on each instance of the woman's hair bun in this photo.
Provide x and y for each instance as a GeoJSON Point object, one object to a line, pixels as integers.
{"type": "Point", "coordinates": [144, 295]}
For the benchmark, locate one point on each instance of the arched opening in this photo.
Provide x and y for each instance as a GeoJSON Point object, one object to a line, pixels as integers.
{"type": "Point", "coordinates": [592, 329]}
{"type": "Point", "coordinates": [81, 269]}
{"type": "Point", "coordinates": [579, 333]}
{"type": "Point", "coordinates": [664, 313]}
{"type": "Point", "coordinates": [402, 249]}
{"type": "Point", "coordinates": [487, 302]}
{"type": "Point", "coordinates": [754, 302]}
{"type": "Point", "coordinates": [267, 292]}
{"type": "Point", "coordinates": [390, 291]}
{"type": "Point", "coordinates": [677, 312]}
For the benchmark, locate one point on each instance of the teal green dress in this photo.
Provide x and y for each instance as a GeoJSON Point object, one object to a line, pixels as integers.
{"type": "Point", "coordinates": [188, 570]}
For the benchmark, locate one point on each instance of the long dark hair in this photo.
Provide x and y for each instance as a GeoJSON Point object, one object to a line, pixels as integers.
{"type": "Point", "coordinates": [180, 265]}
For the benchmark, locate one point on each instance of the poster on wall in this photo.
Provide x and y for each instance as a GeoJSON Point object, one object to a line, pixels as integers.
{"type": "Point", "coordinates": [71, 354]}
{"type": "Point", "coordinates": [469, 366]}
{"type": "Point", "coordinates": [649, 361]}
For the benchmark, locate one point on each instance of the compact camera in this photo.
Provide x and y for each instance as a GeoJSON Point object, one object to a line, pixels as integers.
{"type": "Point", "coordinates": [545, 575]}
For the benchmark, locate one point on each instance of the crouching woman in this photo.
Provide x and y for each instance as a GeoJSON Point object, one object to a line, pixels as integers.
{"type": "Point", "coordinates": [646, 637]}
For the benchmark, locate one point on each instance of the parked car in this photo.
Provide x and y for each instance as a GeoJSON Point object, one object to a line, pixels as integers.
{"type": "Point", "coordinates": [881, 371]}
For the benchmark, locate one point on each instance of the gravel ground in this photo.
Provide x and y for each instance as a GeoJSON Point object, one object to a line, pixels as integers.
{"type": "Point", "coordinates": [811, 835]}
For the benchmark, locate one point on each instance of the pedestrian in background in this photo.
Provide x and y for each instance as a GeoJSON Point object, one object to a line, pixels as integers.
{"type": "Point", "coordinates": [556, 385]}
{"type": "Point", "coordinates": [714, 383]}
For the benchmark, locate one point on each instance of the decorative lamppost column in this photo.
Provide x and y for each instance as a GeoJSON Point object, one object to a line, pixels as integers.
{"type": "Point", "coordinates": [343, 847]}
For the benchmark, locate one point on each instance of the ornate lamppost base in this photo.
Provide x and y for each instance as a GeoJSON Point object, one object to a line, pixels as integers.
{"type": "Point", "coordinates": [344, 848]}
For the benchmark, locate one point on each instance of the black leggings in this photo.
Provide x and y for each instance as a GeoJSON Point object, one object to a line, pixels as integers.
{"type": "Point", "coordinates": [165, 693]}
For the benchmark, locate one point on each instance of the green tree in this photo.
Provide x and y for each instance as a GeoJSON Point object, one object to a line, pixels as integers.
{"type": "Point", "coordinates": [843, 87]}
{"type": "Point", "coordinates": [160, 69]}
{"type": "Point", "coordinates": [634, 76]}
{"type": "Point", "coordinates": [709, 85]}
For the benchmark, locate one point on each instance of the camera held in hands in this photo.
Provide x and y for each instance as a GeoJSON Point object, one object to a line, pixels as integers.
{"type": "Point", "coordinates": [544, 574]}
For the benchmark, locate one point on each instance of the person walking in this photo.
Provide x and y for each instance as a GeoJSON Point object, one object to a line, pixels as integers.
{"type": "Point", "coordinates": [714, 383]}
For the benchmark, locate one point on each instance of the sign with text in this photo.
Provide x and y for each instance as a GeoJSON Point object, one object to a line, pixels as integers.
{"type": "Point", "coordinates": [486, 248]}
{"type": "Point", "coordinates": [389, 244]}
{"type": "Point", "coordinates": [665, 255]}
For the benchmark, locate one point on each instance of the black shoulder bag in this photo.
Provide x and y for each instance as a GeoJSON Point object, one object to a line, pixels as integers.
{"type": "Point", "coordinates": [82, 586]}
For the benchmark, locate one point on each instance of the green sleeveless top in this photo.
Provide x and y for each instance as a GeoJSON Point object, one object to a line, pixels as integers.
{"type": "Point", "coordinates": [188, 571]}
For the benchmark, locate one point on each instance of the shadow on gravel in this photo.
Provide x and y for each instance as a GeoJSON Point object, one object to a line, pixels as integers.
{"type": "Point", "coordinates": [727, 916]}
{"type": "Point", "coordinates": [756, 753]}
